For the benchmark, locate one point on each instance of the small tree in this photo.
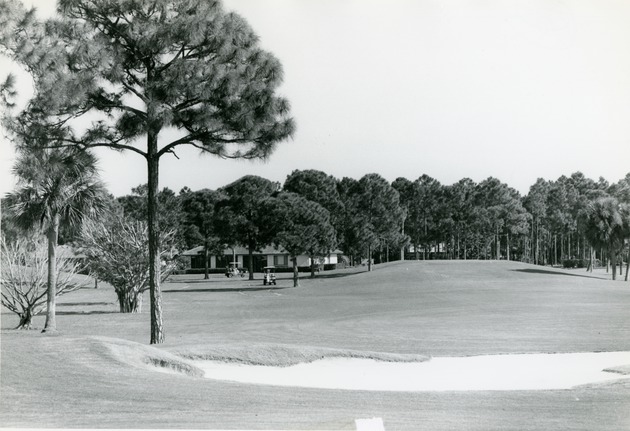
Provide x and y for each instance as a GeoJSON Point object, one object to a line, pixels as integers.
{"type": "Point", "coordinates": [318, 187]}
{"type": "Point", "coordinates": [239, 217]}
{"type": "Point", "coordinates": [117, 253]}
{"type": "Point", "coordinates": [378, 216]}
{"type": "Point", "coordinates": [302, 227]}
{"type": "Point", "coordinates": [606, 227]}
{"type": "Point", "coordinates": [198, 210]}
{"type": "Point", "coordinates": [55, 186]}
{"type": "Point", "coordinates": [25, 278]}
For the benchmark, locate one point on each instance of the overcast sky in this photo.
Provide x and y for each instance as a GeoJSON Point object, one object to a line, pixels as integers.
{"type": "Point", "coordinates": [452, 89]}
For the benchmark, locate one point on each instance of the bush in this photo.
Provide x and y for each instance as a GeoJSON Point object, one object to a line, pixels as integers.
{"type": "Point", "coordinates": [117, 252]}
{"type": "Point", "coordinates": [24, 280]}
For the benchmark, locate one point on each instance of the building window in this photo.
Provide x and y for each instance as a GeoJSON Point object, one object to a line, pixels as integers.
{"type": "Point", "coordinates": [223, 261]}
{"type": "Point", "coordinates": [281, 260]}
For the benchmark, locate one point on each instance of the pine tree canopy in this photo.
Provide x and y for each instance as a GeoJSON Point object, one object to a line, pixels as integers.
{"type": "Point", "coordinates": [149, 65]}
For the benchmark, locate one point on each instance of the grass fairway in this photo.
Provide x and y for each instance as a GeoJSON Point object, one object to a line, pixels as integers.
{"type": "Point", "coordinates": [97, 373]}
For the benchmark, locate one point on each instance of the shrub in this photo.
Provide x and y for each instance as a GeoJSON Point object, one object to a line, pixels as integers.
{"type": "Point", "coordinates": [117, 252]}
{"type": "Point", "coordinates": [24, 282]}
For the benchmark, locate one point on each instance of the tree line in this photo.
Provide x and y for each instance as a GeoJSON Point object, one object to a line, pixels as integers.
{"type": "Point", "coordinates": [572, 221]}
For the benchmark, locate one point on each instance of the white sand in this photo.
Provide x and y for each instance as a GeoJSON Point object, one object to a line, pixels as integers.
{"type": "Point", "coordinates": [493, 373]}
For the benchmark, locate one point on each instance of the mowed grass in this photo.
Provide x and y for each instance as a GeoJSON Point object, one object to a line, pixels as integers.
{"type": "Point", "coordinates": [98, 371]}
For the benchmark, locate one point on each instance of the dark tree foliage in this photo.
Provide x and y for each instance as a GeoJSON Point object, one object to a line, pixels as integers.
{"type": "Point", "coordinates": [301, 227]}
{"type": "Point", "coordinates": [374, 214]}
{"type": "Point", "coordinates": [134, 206]}
{"type": "Point", "coordinates": [499, 214]}
{"type": "Point", "coordinates": [199, 224]}
{"type": "Point", "coordinates": [460, 198]}
{"type": "Point", "coordinates": [349, 238]}
{"type": "Point", "coordinates": [240, 216]}
{"type": "Point", "coordinates": [607, 225]}
{"type": "Point", "coordinates": [10, 231]}
{"type": "Point", "coordinates": [423, 204]}
{"type": "Point", "coordinates": [404, 187]}
{"type": "Point", "coordinates": [318, 187]}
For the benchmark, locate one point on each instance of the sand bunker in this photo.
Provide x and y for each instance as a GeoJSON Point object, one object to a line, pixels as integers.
{"type": "Point", "coordinates": [486, 373]}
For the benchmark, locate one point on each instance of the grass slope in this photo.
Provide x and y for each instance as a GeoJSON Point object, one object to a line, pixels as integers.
{"type": "Point", "coordinates": [97, 371]}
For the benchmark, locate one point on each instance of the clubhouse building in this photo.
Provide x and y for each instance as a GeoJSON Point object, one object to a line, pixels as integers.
{"type": "Point", "coordinates": [269, 256]}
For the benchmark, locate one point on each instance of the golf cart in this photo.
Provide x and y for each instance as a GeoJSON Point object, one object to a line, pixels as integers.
{"type": "Point", "coordinates": [233, 270]}
{"type": "Point", "coordinates": [269, 275]}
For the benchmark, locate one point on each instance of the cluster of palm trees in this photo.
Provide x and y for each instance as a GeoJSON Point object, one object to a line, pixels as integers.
{"type": "Point", "coordinates": [56, 187]}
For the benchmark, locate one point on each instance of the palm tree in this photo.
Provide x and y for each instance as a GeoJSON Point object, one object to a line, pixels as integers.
{"type": "Point", "coordinates": [606, 227]}
{"type": "Point", "coordinates": [55, 186]}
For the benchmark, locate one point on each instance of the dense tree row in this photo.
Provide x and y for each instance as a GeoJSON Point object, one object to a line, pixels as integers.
{"type": "Point", "coordinates": [571, 221]}
{"type": "Point", "coordinates": [371, 220]}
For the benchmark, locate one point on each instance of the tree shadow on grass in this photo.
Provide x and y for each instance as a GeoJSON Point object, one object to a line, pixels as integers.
{"type": "Point", "coordinates": [547, 272]}
{"type": "Point", "coordinates": [202, 281]}
{"type": "Point", "coordinates": [72, 304]}
{"type": "Point", "coordinates": [226, 289]}
{"type": "Point", "coordinates": [82, 313]}
{"type": "Point", "coordinates": [307, 275]}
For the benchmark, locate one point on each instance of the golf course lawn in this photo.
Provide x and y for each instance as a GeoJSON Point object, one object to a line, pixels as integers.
{"type": "Point", "coordinates": [96, 371]}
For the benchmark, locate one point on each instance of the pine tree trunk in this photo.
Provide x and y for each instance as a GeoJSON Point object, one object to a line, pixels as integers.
{"type": "Point", "coordinates": [53, 235]}
{"type": "Point", "coordinates": [296, 275]}
{"type": "Point", "coordinates": [157, 328]}
{"type": "Point", "coordinates": [425, 241]}
{"type": "Point", "coordinates": [206, 260]}
{"type": "Point", "coordinates": [250, 264]}
{"type": "Point", "coordinates": [458, 250]}
{"type": "Point", "coordinates": [537, 245]}
{"type": "Point", "coordinates": [369, 258]}
{"type": "Point", "coordinates": [498, 244]}
{"type": "Point", "coordinates": [627, 265]}
{"type": "Point", "coordinates": [508, 247]}
{"type": "Point", "coordinates": [312, 266]}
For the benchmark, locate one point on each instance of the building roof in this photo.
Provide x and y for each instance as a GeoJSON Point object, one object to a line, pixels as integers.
{"type": "Point", "coordinates": [239, 250]}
